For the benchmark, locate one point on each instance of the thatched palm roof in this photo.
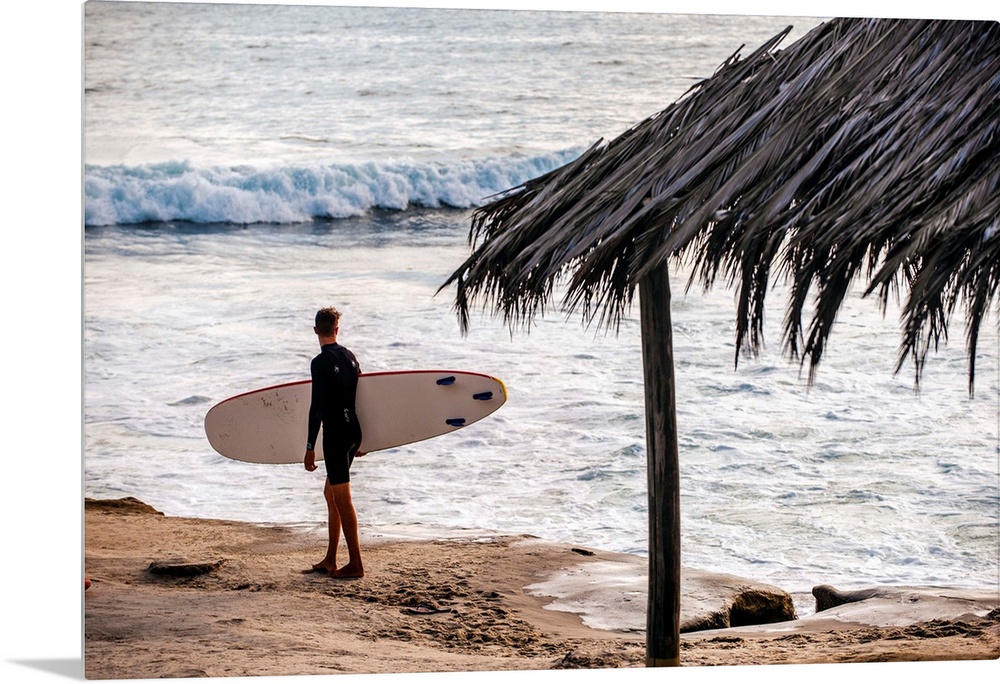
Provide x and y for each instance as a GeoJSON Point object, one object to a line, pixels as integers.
{"type": "Point", "coordinates": [868, 151]}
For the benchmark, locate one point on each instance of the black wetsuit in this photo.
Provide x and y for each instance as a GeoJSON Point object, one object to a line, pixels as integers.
{"type": "Point", "coordinates": [334, 389]}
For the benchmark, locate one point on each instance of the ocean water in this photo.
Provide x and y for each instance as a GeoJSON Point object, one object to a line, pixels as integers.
{"type": "Point", "coordinates": [247, 164]}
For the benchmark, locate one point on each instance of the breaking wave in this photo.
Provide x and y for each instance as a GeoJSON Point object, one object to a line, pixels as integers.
{"type": "Point", "coordinates": [180, 191]}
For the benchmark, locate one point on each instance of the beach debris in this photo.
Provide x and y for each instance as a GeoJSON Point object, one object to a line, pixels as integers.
{"type": "Point", "coordinates": [182, 567]}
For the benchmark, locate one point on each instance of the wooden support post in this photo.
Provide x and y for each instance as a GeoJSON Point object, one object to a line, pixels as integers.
{"type": "Point", "coordinates": [664, 600]}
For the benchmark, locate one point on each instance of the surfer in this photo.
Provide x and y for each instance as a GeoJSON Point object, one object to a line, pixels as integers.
{"type": "Point", "coordinates": [334, 388]}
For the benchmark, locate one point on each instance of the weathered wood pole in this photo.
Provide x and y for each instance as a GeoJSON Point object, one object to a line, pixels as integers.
{"type": "Point", "coordinates": [663, 607]}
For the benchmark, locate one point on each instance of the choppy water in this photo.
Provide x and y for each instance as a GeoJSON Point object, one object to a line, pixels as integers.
{"type": "Point", "coordinates": [285, 158]}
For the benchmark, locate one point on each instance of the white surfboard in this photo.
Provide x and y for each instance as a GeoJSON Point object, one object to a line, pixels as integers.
{"type": "Point", "coordinates": [269, 425]}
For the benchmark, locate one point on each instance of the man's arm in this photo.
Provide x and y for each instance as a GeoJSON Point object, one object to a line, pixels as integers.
{"type": "Point", "coordinates": [315, 419]}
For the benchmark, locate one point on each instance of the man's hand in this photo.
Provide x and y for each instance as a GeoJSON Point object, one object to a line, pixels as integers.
{"type": "Point", "coordinates": [310, 460]}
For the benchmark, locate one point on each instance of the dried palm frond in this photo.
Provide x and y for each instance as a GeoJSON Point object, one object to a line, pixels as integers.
{"type": "Point", "coordinates": [867, 151]}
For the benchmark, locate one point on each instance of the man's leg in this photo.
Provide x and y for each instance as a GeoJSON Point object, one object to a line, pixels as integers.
{"type": "Point", "coordinates": [329, 562]}
{"type": "Point", "coordinates": [344, 505]}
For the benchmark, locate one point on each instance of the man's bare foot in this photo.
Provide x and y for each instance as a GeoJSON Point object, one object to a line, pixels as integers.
{"type": "Point", "coordinates": [322, 566]}
{"type": "Point", "coordinates": [349, 570]}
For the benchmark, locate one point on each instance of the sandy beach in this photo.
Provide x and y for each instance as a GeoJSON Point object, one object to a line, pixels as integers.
{"type": "Point", "coordinates": [176, 597]}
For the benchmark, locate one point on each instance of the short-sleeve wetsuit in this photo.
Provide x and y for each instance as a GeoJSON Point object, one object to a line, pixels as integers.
{"type": "Point", "coordinates": [334, 389]}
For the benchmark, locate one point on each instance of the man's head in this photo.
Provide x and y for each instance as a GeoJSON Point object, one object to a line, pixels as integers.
{"type": "Point", "coordinates": [327, 322]}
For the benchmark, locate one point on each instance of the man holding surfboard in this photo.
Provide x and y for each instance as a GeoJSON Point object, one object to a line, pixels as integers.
{"type": "Point", "coordinates": [334, 391]}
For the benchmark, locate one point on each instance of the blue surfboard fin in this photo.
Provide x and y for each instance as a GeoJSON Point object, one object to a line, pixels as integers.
{"type": "Point", "coordinates": [455, 422]}
{"type": "Point", "coordinates": [483, 396]}
{"type": "Point", "coordinates": [450, 380]}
